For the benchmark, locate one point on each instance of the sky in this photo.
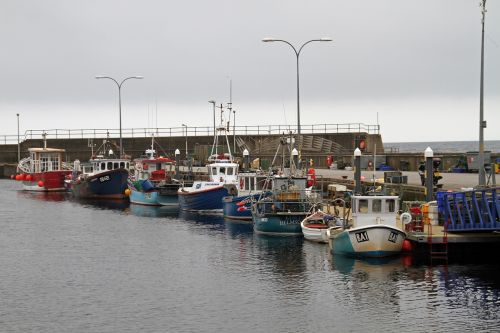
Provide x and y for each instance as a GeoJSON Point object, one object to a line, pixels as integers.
{"type": "Point", "coordinates": [413, 66]}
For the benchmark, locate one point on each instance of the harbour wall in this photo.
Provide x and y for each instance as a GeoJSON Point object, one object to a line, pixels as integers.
{"type": "Point", "coordinates": [322, 149]}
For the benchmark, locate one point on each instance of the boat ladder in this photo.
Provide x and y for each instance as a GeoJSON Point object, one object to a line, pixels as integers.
{"type": "Point", "coordinates": [438, 248]}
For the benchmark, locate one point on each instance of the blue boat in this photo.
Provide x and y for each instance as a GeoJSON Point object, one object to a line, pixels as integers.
{"type": "Point", "coordinates": [239, 207]}
{"type": "Point", "coordinates": [153, 182]}
{"type": "Point", "coordinates": [105, 176]}
{"type": "Point", "coordinates": [251, 186]}
{"type": "Point", "coordinates": [202, 196]}
{"type": "Point", "coordinates": [206, 196]}
{"type": "Point", "coordinates": [109, 184]}
{"type": "Point", "coordinates": [162, 195]}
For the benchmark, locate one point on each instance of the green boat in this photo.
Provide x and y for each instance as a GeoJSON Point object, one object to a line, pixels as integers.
{"type": "Point", "coordinates": [281, 213]}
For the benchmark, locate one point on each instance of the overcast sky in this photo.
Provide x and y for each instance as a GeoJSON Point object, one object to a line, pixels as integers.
{"type": "Point", "coordinates": [414, 63]}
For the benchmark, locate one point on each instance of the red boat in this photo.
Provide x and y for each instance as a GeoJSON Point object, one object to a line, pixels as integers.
{"type": "Point", "coordinates": [43, 170]}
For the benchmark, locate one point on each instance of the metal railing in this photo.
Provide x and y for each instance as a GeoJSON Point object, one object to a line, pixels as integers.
{"type": "Point", "coordinates": [190, 131]}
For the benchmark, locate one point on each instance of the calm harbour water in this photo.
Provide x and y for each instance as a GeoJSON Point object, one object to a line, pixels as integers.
{"type": "Point", "coordinates": [67, 266]}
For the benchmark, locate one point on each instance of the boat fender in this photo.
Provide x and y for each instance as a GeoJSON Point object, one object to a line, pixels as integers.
{"type": "Point", "coordinates": [311, 177]}
{"type": "Point", "coordinates": [138, 166]}
{"type": "Point", "coordinates": [370, 164]}
{"type": "Point", "coordinates": [405, 218]}
{"type": "Point", "coordinates": [241, 183]}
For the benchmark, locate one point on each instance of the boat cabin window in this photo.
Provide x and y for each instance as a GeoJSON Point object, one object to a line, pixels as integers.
{"type": "Point", "coordinates": [376, 205]}
{"type": "Point", "coordinates": [390, 205]}
{"type": "Point", "coordinates": [362, 206]}
{"type": "Point", "coordinates": [229, 171]}
{"type": "Point", "coordinates": [214, 171]}
{"type": "Point", "coordinates": [122, 165]}
{"type": "Point", "coordinates": [222, 171]}
{"type": "Point", "coordinates": [116, 165]}
{"type": "Point", "coordinates": [103, 166]}
{"type": "Point", "coordinates": [109, 166]}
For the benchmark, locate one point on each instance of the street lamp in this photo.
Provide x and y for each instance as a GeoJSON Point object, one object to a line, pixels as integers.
{"type": "Point", "coordinates": [297, 53]}
{"type": "Point", "coordinates": [482, 122]}
{"type": "Point", "coordinates": [213, 104]}
{"type": "Point", "coordinates": [185, 126]}
{"type": "Point", "coordinates": [119, 101]}
{"type": "Point", "coordinates": [18, 144]}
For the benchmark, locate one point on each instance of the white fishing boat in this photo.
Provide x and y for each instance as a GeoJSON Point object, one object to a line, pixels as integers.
{"type": "Point", "coordinates": [372, 232]}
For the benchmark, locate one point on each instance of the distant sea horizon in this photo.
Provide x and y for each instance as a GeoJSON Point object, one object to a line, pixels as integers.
{"type": "Point", "coordinates": [492, 146]}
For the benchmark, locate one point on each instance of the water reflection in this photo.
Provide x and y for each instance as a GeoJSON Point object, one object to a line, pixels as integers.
{"type": "Point", "coordinates": [284, 253]}
{"type": "Point", "coordinates": [120, 205]}
{"type": "Point", "coordinates": [43, 196]}
{"type": "Point", "coordinates": [153, 211]}
{"type": "Point", "coordinates": [237, 228]}
{"type": "Point", "coordinates": [350, 265]}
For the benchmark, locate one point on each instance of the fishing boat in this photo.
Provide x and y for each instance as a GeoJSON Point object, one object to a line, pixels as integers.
{"type": "Point", "coordinates": [315, 226]}
{"type": "Point", "coordinates": [291, 199]}
{"type": "Point", "coordinates": [206, 196]}
{"type": "Point", "coordinates": [372, 232]}
{"type": "Point", "coordinates": [153, 181]}
{"type": "Point", "coordinates": [104, 176]}
{"type": "Point", "coordinates": [282, 212]}
{"type": "Point", "coordinates": [44, 169]}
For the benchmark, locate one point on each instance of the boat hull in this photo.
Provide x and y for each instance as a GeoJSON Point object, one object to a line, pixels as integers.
{"type": "Point", "coordinates": [282, 224]}
{"type": "Point", "coordinates": [318, 235]}
{"type": "Point", "coordinates": [152, 198]}
{"type": "Point", "coordinates": [368, 241]}
{"type": "Point", "coordinates": [51, 181]}
{"type": "Point", "coordinates": [207, 199]}
{"type": "Point", "coordinates": [238, 208]}
{"type": "Point", "coordinates": [105, 185]}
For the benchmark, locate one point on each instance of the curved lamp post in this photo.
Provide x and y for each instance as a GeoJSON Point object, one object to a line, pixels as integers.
{"type": "Point", "coordinates": [213, 103]}
{"type": "Point", "coordinates": [119, 101]}
{"type": "Point", "coordinates": [297, 54]}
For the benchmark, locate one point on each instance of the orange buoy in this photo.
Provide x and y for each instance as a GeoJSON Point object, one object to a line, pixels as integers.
{"type": "Point", "coordinates": [18, 177]}
{"type": "Point", "coordinates": [311, 177]}
{"type": "Point", "coordinates": [28, 177]}
{"type": "Point", "coordinates": [406, 246]}
{"type": "Point", "coordinates": [407, 260]}
{"type": "Point", "coordinates": [127, 192]}
{"type": "Point", "coordinates": [40, 183]}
